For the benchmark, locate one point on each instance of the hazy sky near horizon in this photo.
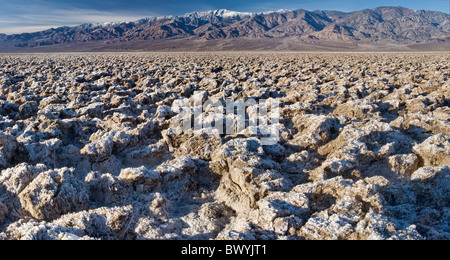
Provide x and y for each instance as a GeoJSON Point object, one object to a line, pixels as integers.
{"type": "Point", "coordinates": [20, 16]}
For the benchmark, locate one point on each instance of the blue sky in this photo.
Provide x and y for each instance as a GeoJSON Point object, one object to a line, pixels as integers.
{"type": "Point", "coordinates": [17, 16]}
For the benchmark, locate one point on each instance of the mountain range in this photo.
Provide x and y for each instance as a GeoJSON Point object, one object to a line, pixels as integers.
{"type": "Point", "coordinates": [382, 28]}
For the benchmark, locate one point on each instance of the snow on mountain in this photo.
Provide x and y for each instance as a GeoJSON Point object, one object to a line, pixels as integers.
{"type": "Point", "coordinates": [231, 14]}
{"type": "Point", "coordinates": [281, 11]}
{"type": "Point", "coordinates": [218, 13]}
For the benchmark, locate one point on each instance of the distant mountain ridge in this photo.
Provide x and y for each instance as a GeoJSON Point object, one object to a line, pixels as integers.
{"type": "Point", "coordinates": [381, 26]}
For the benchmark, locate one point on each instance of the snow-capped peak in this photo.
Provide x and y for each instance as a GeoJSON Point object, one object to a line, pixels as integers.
{"type": "Point", "coordinates": [281, 11]}
{"type": "Point", "coordinates": [218, 13]}
{"type": "Point", "coordinates": [229, 14]}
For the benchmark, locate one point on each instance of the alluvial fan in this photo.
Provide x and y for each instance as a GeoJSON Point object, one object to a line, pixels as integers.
{"type": "Point", "coordinates": [225, 146]}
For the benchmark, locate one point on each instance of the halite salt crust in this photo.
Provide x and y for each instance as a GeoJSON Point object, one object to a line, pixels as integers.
{"type": "Point", "coordinates": [91, 147]}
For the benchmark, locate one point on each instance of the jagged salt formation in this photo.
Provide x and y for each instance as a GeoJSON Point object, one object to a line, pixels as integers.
{"type": "Point", "coordinates": [88, 147]}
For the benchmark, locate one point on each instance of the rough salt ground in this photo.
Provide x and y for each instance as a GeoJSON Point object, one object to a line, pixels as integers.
{"type": "Point", "coordinates": [86, 149]}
